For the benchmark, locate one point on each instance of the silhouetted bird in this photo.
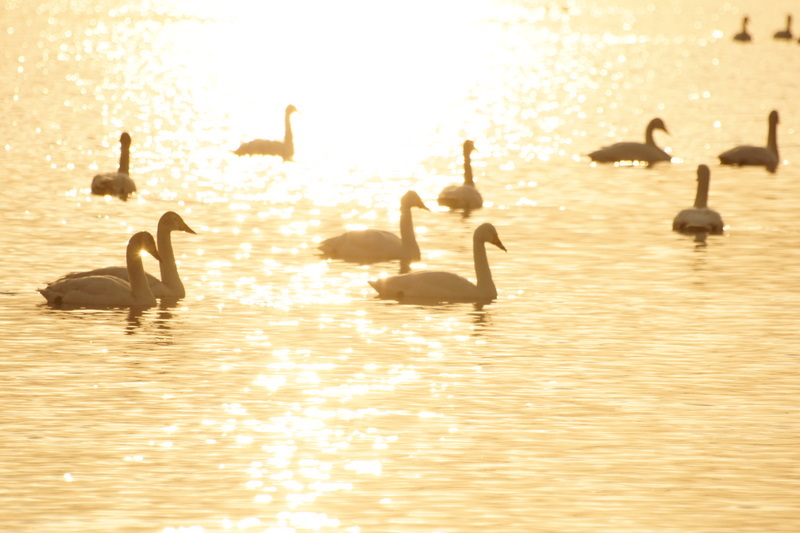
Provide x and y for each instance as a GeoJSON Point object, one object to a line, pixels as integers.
{"type": "Point", "coordinates": [743, 35]}
{"type": "Point", "coordinates": [787, 33]}
{"type": "Point", "coordinates": [284, 149]}
{"type": "Point", "coordinates": [117, 183]}
{"type": "Point", "coordinates": [633, 151]}
{"type": "Point", "coordinates": [766, 156]}
{"type": "Point", "coordinates": [699, 219]}
{"type": "Point", "coordinates": [464, 196]}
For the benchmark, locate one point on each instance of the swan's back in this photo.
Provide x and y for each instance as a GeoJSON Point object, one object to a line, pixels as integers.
{"type": "Point", "coordinates": [364, 246]}
{"type": "Point", "coordinates": [90, 291]}
{"type": "Point", "coordinates": [460, 197]}
{"type": "Point", "coordinates": [750, 156]}
{"type": "Point", "coordinates": [159, 289]}
{"type": "Point", "coordinates": [263, 147]}
{"type": "Point", "coordinates": [629, 151]}
{"type": "Point", "coordinates": [427, 285]}
{"type": "Point", "coordinates": [698, 220]}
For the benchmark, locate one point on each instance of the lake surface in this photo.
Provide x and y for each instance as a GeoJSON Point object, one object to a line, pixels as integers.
{"type": "Point", "coordinates": [626, 379]}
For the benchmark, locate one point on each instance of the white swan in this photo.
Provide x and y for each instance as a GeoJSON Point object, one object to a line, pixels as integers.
{"type": "Point", "coordinates": [743, 35]}
{"type": "Point", "coordinates": [761, 156]}
{"type": "Point", "coordinates": [284, 148]}
{"type": "Point", "coordinates": [464, 196]}
{"type": "Point", "coordinates": [434, 286]}
{"type": "Point", "coordinates": [109, 291]}
{"type": "Point", "coordinates": [117, 183]}
{"type": "Point", "coordinates": [787, 33]}
{"type": "Point", "coordinates": [170, 286]}
{"type": "Point", "coordinates": [374, 246]}
{"type": "Point", "coordinates": [633, 151]}
{"type": "Point", "coordinates": [699, 219]}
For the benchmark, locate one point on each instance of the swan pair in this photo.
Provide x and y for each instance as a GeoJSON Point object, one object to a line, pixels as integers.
{"type": "Point", "coordinates": [117, 183]}
{"type": "Point", "coordinates": [744, 36]}
{"type": "Point", "coordinates": [128, 286]}
{"type": "Point", "coordinates": [284, 149]}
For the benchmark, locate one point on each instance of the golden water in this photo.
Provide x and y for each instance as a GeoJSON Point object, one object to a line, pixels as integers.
{"type": "Point", "coordinates": [626, 379]}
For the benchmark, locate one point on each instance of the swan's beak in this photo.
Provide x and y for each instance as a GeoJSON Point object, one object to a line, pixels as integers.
{"type": "Point", "coordinates": [187, 229]}
{"type": "Point", "coordinates": [154, 253]}
{"type": "Point", "coordinates": [496, 242]}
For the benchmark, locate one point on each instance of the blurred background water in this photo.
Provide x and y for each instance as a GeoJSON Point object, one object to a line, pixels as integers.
{"type": "Point", "coordinates": [626, 379]}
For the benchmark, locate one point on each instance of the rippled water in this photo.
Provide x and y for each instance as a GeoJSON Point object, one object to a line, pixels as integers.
{"type": "Point", "coordinates": [626, 379]}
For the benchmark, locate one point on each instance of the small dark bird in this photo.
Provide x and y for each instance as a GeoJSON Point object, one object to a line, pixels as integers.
{"type": "Point", "coordinates": [743, 35]}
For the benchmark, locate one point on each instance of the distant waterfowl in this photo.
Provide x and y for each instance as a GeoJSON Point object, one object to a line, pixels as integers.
{"type": "Point", "coordinates": [762, 156]}
{"type": "Point", "coordinates": [374, 246]}
{"type": "Point", "coordinates": [648, 151]}
{"type": "Point", "coordinates": [284, 149]}
{"type": "Point", "coordinates": [117, 183]}
{"type": "Point", "coordinates": [743, 35]}
{"type": "Point", "coordinates": [170, 285]}
{"type": "Point", "coordinates": [787, 33]}
{"type": "Point", "coordinates": [699, 219]}
{"type": "Point", "coordinates": [109, 291]}
{"type": "Point", "coordinates": [463, 196]}
{"type": "Point", "coordinates": [435, 286]}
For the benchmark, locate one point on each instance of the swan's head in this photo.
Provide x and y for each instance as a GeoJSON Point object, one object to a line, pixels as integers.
{"type": "Point", "coordinates": [773, 118]}
{"type": "Point", "coordinates": [657, 124]}
{"type": "Point", "coordinates": [172, 221]}
{"type": "Point", "coordinates": [290, 109]}
{"type": "Point", "coordinates": [412, 199]}
{"type": "Point", "coordinates": [125, 139]}
{"type": "Point", "coordinates": [703, 173]}
{"type": "Point", "coordinates": [143, 242]}
{"type": "Point", "coordinates": [487, 233]}
{"type": "Point", "coordinates": [469, 146]}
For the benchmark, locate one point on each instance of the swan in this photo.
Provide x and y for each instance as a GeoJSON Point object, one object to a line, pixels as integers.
{"type": "Point", "coordinates": [787, 33]}
{"type": "Point", "coordinates": [743, 35]}
{"type": "Point", "coordinates": [699, 219]}
{"type": "Point", "coordinates": [633, 151]}
{"type": "Point", "coordinates": [170, 286]}
{"type": "Point", "coordinates": [374, 246]}
{"type": "Point", "coordinates": [117, 183]}
{"type": "Point", "coordinates": [284, 148]}
{"type": "Point", "coordinates": [464, 196]}
{"type": "Point", "coordinates": [434, 286]}
{"type": "Point", "coordinates": [766, 156]}
{"type": "Point", "coordinates": [109, 291]}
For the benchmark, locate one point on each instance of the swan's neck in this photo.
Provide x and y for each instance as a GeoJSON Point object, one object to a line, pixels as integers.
{"type": "Point", "coordinates": [408, 237]}
{"type": "Point", "coordinates": [288, 138]}
{"type": "Point", "coordinates": [482, 273]}
{"type": "Point", "coordinates": [468, 169]}
{"type": "Point", "coordinates": [648, 136]}
{"type": "Point", "coordinates": [772, 138]}
{"type": "Point", "coordinates": [124, 160]}
{"type": "Point", "coordinates": [701, 199]}
{"type": "Point", "coordinates": [169, 270]}
{"type": "Point", "coordinates": [139, 286]}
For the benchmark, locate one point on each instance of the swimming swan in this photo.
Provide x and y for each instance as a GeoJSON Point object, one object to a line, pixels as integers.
{"type": "Point", "coordinates": [464, 196]}
{"type": "Point", "coordinates": [633, 151]}
{"type": "Point", "coordinates": [117, 183]}
{"type": "Point", "coordinates": [433, 286]}
{"type": "Point", "coordinates": [170, 286]}
{"type": "Point", "coordinates": [109, 291]}
{"type": "Point", "coordinates": [766, 156]}
{"type": "Point", "coordinates": [743, 35]}
{"type": "Point", "coordinates": [374, 246]}
{"type": "Point", "coordinates": [787, 33]}
{"type": "Point", "coordinates": [699, 219]}
{"type": "Point", "coordinates": [284, 148]}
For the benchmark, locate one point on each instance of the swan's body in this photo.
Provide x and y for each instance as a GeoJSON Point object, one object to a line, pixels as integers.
{"type": "Point", "coordinates": [634, 151]}
{"type": "Point", "coordinates": [762, 156]}
{"type": "Point", "coordinates": [464, 196]}
{"type": "Point", "coordinates": [284, 149]}
{"type": "Point", "coordinates": [117, 183]}
{"type": "Point", "coordinates": [434, 286]}
{"type": "Point", "coordinates": [374, 246]}
{"type": "Point", "coordinates": [699, 219]}
{"type": "Point", "coordinates": [109, 291]}
{"type": "Point", "coordinates": [170, 285]}
{"type": "Point", "coordinates": [743, 36]}
{"type": "Point", "coordinates": [787, 33]}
